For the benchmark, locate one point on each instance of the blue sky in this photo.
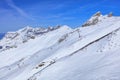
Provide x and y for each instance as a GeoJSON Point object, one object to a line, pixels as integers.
{"type": "Point", "coordinates": [16, 14]}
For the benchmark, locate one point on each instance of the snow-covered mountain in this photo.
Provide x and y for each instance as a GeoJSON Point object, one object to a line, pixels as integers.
{"type": "Point", "coordinates": [90, 52]}
{"type": "Point", "coordinates": [13, 39]}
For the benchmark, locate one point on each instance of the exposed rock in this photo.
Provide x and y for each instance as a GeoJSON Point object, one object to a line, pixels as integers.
{"type": "Point", "coordinates": [110, 14]}
{"type": "Point", "coordinates": [93, 20]}
{"type": "Point", "coordinates": [97, 14]}
{"type": "Point", "coordinates": [13, 39]}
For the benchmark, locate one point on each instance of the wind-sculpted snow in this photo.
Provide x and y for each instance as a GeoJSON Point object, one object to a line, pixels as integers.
{"type": "Point", "coordinates": [85, 53]}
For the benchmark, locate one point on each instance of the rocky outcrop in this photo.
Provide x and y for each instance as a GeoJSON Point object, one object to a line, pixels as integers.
{"type": "Point", "coordinates": [96, 18]}
{"type": "Point", "coordinates": [93, 20]}
{"type": "Point", "coordinates": [13, 39]}
{"type": "Point", "coordinates": [110, 14]}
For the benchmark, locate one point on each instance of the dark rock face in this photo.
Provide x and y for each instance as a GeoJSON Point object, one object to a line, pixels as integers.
{"type": "Point", "coordinates": [1, 47]}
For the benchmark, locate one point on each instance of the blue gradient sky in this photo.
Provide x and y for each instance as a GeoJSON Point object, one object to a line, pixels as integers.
{"type": "Point", "coordinates": [16, 14]}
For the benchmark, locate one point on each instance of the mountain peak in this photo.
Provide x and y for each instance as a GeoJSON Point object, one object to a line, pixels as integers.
{"type": "Point", "coordinates": [25, 28]}
{"type": "Point", "coordinates": [110, 14]}
{"type": "Point", "coordinates": [97, 17]}
{"type": "Point", "coordinates": [93, 20]}
{"type": "Point", "coordinates": [13, 39]}
{"type": "Point", "coordinates": [97, 14]}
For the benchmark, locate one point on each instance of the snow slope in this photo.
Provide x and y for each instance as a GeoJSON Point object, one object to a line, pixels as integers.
{"type": "Point", "coordinates": [85, 53]}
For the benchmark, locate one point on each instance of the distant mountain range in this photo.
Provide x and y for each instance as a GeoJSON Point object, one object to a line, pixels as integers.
{"type": "Point", "coordinates": [2, 35]}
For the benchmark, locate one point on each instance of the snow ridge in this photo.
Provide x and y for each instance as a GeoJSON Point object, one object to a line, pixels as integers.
{"type": "Point", "coordinates": [13, 39]}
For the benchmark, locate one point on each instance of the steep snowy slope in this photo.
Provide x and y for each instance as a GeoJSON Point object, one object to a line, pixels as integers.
{"type": "Point", "coordinates": [32, 46]}
{"type": "Point", "coordinates": [90, 52]}
{"type": "Point", "coordinates": [96, 61]}
{"type": "Point", "coordinates": [13, 39]}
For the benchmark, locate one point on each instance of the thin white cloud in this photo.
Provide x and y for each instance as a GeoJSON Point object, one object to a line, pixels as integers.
{"type": "Point", "coordinates": [19, 10]}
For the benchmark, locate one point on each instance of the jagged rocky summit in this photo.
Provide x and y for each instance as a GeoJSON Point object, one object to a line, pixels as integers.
{"type": "Point", "coordinates": [97, 17]}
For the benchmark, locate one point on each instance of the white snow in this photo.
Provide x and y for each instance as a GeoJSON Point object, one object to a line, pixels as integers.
{"type": "Point", "coordinates": [84, 53]}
